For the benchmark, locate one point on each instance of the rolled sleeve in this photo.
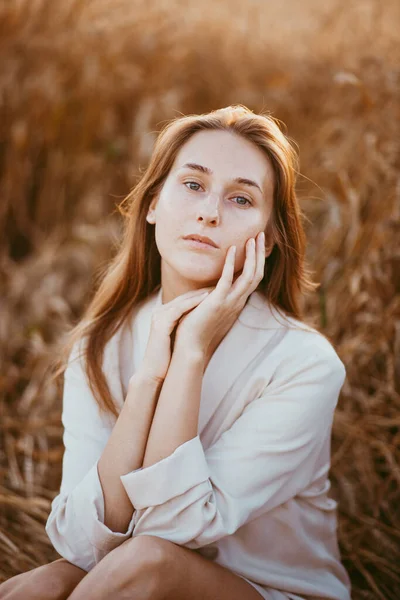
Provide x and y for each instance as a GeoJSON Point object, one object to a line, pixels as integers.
{"type": "Point", "coordinates": [88, 503]}
{"type": "Point", "coordinates": [76, 524]}
{"type": "Point", "coordinates": [172, 476]}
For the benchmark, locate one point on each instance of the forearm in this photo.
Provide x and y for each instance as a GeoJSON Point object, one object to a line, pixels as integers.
{"type": "Point", "coordinates": [177, 414]}
{"type": "Point", "coordinates": [125, 449]}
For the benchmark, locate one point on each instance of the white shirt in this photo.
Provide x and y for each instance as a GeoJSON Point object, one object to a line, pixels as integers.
{"type": "Point", "coordinates": [250, 491]}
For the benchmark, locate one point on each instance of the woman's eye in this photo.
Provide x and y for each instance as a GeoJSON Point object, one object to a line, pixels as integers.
{"type": "Point", "coordinates": [243, 198]}
{"type": "Point", "coordinates": [192, 183]}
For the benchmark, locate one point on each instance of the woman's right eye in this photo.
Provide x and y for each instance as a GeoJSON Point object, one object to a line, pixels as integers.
{"type": "Point", "coordinates": [192, 182]}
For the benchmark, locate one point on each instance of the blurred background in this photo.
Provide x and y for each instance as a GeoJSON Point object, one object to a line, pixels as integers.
{"type": "Point", "coordinates": [85, 85]}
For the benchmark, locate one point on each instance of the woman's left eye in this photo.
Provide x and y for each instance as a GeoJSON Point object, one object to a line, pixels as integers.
{"type": "Point", "coordinates": [195, 183]}
{"type": "Point", "coordinates": [191, 182]}
{"type": "Point", "coordinates": [243, 198]}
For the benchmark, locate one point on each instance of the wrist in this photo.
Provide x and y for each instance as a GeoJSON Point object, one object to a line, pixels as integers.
{"type": "Point", "coordinates": [188, 352]}
{"type": "Point", "coordinates": [142, 379]}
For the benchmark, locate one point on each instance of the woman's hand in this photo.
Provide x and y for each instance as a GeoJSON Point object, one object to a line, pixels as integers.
{"type": "Point", "coordinates": [204, 327]}
{"type": "Point", "coordinates": [164, 319]}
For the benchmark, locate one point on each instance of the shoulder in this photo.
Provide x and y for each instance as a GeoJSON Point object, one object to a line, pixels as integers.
{"type": "Point", "coordinates": [297, 346]}
{"type": "Point", "coordinates": [308, 358]}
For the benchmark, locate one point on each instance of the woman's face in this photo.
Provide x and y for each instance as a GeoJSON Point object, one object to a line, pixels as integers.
{"type": "Point", "coordinates": [205, 193]}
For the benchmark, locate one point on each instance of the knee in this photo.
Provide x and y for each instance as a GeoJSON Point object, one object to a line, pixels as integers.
{"type": "Point", "coordinates": [144, 554]}
{"type": "Point", "coordinates": [150, 550]}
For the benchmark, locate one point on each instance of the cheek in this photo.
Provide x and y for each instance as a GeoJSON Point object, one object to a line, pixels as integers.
{"type": "Point", "coordinates": [165, 237]}
{"type": "Point", "coordinates": [240, 241]}
{"type": "Point", "coordinates": [173, 199]}
{"type": "Point", "coordinates": [173, 210]}
{"type": "Point", "coordinates": [169, 223]}
{"type": "Point", "coordinates": [240, 257]}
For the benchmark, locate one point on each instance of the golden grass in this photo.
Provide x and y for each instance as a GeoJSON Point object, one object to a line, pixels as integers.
{"type": "Point", "coordinates": [84, 87]}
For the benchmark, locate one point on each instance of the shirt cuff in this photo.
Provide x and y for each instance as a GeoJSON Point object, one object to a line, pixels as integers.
{"type": "Point", "coordinates": [88, 505]}
{"type": "Point", "coordinates": [173, 475]}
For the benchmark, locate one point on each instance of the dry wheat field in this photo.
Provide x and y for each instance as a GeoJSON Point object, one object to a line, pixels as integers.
{"type": "Point", "coordinates": [84, 87]}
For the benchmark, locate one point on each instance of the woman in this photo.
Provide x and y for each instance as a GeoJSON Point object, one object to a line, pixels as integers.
{"type": "Point", "coordinates": [197, 450]}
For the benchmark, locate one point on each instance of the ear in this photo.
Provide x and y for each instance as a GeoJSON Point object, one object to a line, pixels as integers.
{"type": "Point", "coordinates": [151, 215]}
{"type": "Point", "coordinates": [268, 248]}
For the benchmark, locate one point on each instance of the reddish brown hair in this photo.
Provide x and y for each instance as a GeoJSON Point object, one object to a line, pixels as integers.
{"type": "Point", "coordinates": [135, 270]}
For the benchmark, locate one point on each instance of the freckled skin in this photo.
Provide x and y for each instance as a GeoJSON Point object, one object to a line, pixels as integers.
{"type": "Point", "coordinates": [211, 205]}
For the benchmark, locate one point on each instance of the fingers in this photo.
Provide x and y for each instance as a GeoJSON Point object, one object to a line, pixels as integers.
{"type": "Point", "coordinates": [186, 304]}
{"type": "Point", "coordinates": [172, 311]}
{"type": "Point", "coordinates": [261, 258]}
{"type": "Point", "coordinates": [188, 295]}
{"type": "Point", "coordinates": [225, 282]}
{"type": "Point", "coordinates": [253, 270]}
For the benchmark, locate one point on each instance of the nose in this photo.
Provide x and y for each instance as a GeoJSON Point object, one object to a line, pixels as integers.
{"type": "Point", "coordinates": [208, 209]}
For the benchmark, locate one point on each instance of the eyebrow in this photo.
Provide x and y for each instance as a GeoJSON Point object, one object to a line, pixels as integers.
{"type": "Point", "coordinates": [209, 171]}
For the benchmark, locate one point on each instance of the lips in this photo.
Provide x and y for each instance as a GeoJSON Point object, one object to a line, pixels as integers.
{"type": "Point", "coordinates": [201, 238]}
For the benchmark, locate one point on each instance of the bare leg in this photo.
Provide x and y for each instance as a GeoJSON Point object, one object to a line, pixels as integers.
{"type": "Point", "coordinates": [152, 568]}
{"type": "Point", "coordinates": [54, 581]}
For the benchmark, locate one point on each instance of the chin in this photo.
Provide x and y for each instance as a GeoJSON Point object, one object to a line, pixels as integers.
{"type": "Point", "coordinates": [199, 268]}
{"type": "Point", "coordinates": [198, 265]}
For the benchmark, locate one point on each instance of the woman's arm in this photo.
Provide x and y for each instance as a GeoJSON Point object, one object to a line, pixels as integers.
{"type": "Point", "coordinates": [125, 449]}
{"type": "Point", "coordinates": [76, 525]}
{"type": "Point", "coordinates": [126, 446]}
{"type": "Point", "coordinates": [177, 414]}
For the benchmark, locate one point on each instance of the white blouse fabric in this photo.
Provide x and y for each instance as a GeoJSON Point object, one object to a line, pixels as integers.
{"type": "Point", "coordinates": [250, 491]}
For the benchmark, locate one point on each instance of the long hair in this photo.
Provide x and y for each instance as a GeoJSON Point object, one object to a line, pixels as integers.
{"type": "Point", "coordinates": [135, 270]}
